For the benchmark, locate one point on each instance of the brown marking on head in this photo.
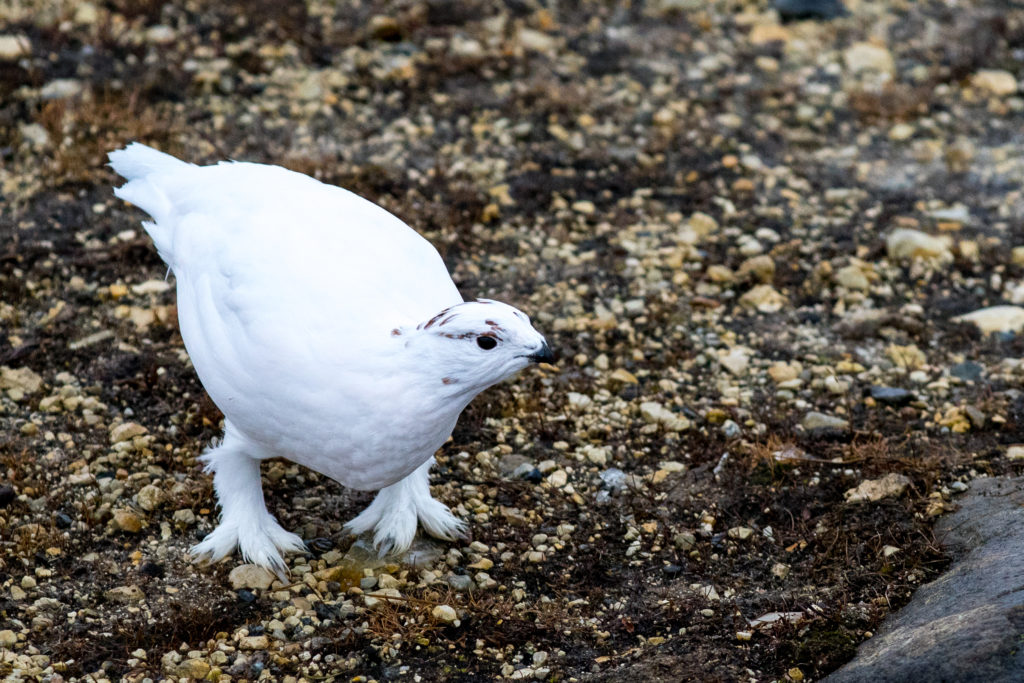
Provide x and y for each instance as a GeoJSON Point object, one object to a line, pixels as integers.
{"type": "Point", "coordinates": [449, 380]}
{"type": "Point", "coordinates": [491, 323]}
{"type": "Point", "coordinates": [446, 320]}
{"type": "Point", "coordinates": [396, 332]}
{"type": "Point", "coordinates": [433, 320]}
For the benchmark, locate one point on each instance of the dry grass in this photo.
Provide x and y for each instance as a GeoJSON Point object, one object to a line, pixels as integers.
{"type": "Point", "coordinates": [87, 128]}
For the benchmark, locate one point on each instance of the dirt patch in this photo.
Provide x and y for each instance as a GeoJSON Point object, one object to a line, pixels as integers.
{"type": "Point", "coordinates": [693, 206]}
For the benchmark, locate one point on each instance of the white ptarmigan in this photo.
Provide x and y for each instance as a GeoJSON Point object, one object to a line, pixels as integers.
{"type": "Point", "coordinates": [328, 332]}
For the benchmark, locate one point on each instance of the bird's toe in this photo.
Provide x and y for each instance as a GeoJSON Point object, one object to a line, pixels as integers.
{"type": "Point", "coordinates": [439, 521]}
{"type": "Point", "coordinates": [217, 545]}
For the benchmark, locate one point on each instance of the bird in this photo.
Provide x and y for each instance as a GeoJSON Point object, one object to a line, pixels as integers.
{"type": "Point", "coordinates": [328, 332]}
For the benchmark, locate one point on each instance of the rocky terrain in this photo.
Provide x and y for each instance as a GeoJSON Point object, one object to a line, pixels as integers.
{"type": "Point", "coordinates": [781, 259]}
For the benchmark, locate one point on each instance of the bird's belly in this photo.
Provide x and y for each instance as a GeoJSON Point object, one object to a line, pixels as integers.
{"type": "Point", "coordinates": [363, 444]}
{"type": "Point", "coordinates": [355, 420]}
{"type": "Point", "coordinates": [360, 443]}
{"type": "Point", "coordinates": [368, 455]}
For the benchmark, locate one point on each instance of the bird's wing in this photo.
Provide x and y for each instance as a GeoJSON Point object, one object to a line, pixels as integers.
{"type": "Point", "coordinates": [281, 249]}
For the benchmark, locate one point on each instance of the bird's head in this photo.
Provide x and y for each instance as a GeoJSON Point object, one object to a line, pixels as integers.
{"type": "Point", "coordinates": [475, 344]}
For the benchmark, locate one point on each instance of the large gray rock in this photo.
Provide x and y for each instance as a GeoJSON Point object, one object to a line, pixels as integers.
{"type": "Point", "coordinates": [967, 625]}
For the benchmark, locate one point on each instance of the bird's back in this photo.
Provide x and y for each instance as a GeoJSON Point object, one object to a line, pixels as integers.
{"type": "Point", "coordinates": [271, 236]}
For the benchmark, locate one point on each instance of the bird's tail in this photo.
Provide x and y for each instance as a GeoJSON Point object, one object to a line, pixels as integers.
{"type": "Point", "coordinates": [143, 166]}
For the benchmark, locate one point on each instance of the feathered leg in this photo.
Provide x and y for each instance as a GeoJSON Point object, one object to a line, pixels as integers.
{"type": "Point", "coordinates": [245, 522]}
{"type": "Point", "coordinates": [393, 514]}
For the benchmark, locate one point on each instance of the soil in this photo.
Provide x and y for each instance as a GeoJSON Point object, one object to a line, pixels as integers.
{"type": "Point", "coordinates": [696, 203]}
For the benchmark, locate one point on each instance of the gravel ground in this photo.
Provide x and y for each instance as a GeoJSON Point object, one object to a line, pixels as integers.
{"type": "Point", "coordinates": [751, 243]}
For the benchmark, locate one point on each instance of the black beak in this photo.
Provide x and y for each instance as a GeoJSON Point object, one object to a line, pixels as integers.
{"type": "Point", "coordinates": [543, 355]}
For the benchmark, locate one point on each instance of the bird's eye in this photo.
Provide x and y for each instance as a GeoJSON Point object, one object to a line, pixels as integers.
{"type": "Point", "coordinates": [486, 343]}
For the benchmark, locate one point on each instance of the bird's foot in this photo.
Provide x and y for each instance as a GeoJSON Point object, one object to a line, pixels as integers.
{"type": "Point", "coordinates": [393, 522]}
{"type": "Point", "coordinates": [439, 521]}
{"type": "Point", "coordinates": [260, 544]}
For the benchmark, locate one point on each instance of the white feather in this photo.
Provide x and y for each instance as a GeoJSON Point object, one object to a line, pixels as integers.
{"type": "Point", "coordinates": [306, 312]}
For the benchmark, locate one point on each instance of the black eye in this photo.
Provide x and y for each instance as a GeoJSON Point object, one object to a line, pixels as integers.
{"type": "Point", "coordinates": [486, 343]}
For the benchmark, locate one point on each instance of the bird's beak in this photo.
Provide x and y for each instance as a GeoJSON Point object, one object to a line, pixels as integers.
{"type": "Point", "coordinates": [543, 354]}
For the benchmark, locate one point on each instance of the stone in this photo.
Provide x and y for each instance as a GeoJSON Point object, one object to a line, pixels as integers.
{"type": "Point", "coordinates": [836, 386]}
{"type": "Point", "coordinates": [623, 376]}
{"type": "Point", "coordinates": [151, 287]}
{"type": "Point", "coordinates": [149, 497]}
{"type": "Point", "coordinates": [892, 396]}
{"type": "Point", "coordinates": [867, 57]}
{"type": "Point", "coordinates": [953, 215]}
{"type": "Point", "coordinates": [891, 485]}
{"type": "Point", "coordinates": [720, 274]}
{"type": "Point", "coordinates": [250, 576]}
{"type": "Point", "coordinates": [852, 277]}
{"type": "Point", "coordinates": [1014, 292]}
{"type": "Point", "coordinates": [125, 594]}
{"type": "Point", "coordinates": [383, 27]}
{"type": "Point", "coordinates": [585, 207]}
{"type": "Point", "coordinates": [764, 298]}
{"type": "Point", "coordinates": [535, 40]}
{"type": "Point", "coordinates": [61, 88]}
{"type": "Point", "coordinates": [799, 10]}
{"type": "Point", "coordinates": [259, 642]}
{"type": "Point", "coordinates": [161, 34]}
{"type": "Point", "coordinates": [771, 619]}
{"type": "Point", "coordinates": [901, 131]}
{"type": "Point", "coordinates": [13, 46]}
{"type": "Point", "coordinates": [614, 479]}
{"type": "Point", "coordinates": [702, 224]}
{"type": "Point", "coordinates": [995, 319]}
{"type": "Point", "coordinates": [193, 669]}
{"type": "Point", "coordinates": [740, 533]}
{"type": "Point", "coordinates": [672, 6]}
{"type": "Point", "coordinates": [969, 371]}
{"type": "Point", "coordinates": [1015, 452]}
{"type": "Point", "coordinates": [595, 454]}
{"type": "Point", "coordinates": [8, 638]}
{"type": "Point", "coordinates": [510, 465]}
{"type": "Point", "coordinates": [909, 356]}
{"type": "Point", "coordinates": [558, 478]}
{"type": "Point", "coordinates": [684, 540]}
{"type": "Point", "coordinates": [128, 521]}
{"type": "Point", "coordinates": [18, 382]}
{"type": "Point", "coordinates": [965, 625]}
{"type": "Point", "coordinates": [445, 613]}
{"type": "Point", "coordinates": [184, 517]}
{"type": "Point", "coordinates": [736, 361]}
{"type": "Point", "coordinates": [781, 371]}
{"type": "Point", "coordinates": [995, 81]}
{"type": "Point", "coordinates": [906, 243]}
{"type": "Point", "coordinates": [462, 46]}
{"type": "Point", "coordinates": [765, 34]}
{"type": "Point", "coordinates": [761, 268]}
{"type": "Point", "coordinates": [461, 582]}
{"type": "Point", "coordinates": [655, 413]}
{"type": "Point", "coordinates": [815, 420]}
{"type": "Point", "coordinates": [126, 431]}
{"type": "Point", "coordinates": [34, 134]}
{"type": "Point", "coordinates": [378, 597]}
{"type": "Point", "coordinates": [86, 14]}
